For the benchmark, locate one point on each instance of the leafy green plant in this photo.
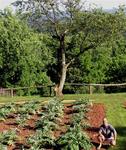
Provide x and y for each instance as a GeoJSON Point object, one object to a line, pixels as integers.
{"type": "Point", "coordinates": [78, 119]}
{"type": "Point", "coordinates": [3, 147]}
{"type": "Point", "coordinates": [8, 137]}
{"type": "Point", "coordinates": [5, 110]}
{"type": "Point", "coordinates": [41, 140]}
{"type": "Point", "coordinates": [51, 117]}
{"type": "Point", "coordinates": [56, 106]}
{"type": "Point", "coordinates": [82, 107]}
{"type": "Point", "coordinates": [11, 107]}
{"type": "Point", "coordinates": [45, 124]}
{"type": "Point", "coordinates": [29, 107]}
{"type": "Point", "coordinates": [21, 119]}
{"type": "Point", "coordinates": [3, 114]}
{"type": "Point", "coordinates": [74, 139]}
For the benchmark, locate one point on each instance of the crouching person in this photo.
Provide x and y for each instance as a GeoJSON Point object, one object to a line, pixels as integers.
{"type": "Point", "coordinates": [106, 133]}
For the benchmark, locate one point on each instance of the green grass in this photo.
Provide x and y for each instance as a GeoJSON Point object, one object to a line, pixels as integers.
{"type": "Point", "coordinates": [21, 99]}
{"type": "Point", "coordinates": [116, 114]}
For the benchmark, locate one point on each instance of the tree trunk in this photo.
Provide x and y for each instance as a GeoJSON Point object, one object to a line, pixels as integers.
{"type": "Point", "coordinates": [60, 85]}
{"type": "Point", "coordinates": [63, 67]}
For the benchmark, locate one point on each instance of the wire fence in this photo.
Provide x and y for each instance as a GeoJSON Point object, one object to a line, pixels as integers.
{"type": "Point", "coordinates": [69, 88]}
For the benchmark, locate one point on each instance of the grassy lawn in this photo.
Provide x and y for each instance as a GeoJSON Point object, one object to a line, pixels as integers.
{"type": "Point", "coordinates": [116, 114]}
{"type": "Point", "coordinates": [21, 99]}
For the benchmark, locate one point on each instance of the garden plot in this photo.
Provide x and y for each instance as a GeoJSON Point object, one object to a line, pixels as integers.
{"type": "Point", "coordinates": [35, 126]}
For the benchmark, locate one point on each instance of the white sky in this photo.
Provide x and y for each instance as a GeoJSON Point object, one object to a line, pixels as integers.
{"type": "Point", "coordinates": [106, 4]}
{"type": "Point", "coordinates": [5, 3]}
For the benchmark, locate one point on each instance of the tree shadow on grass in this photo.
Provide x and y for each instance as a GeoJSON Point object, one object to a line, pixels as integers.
{"type": "Point", "coordinates": [121, 131]}
{"type": "Point", "coordinates": [121, 143]}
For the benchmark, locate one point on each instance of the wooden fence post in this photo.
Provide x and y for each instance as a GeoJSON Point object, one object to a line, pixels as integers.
{"type": "Point", "coordinates": [90, 89]}
{"type": "Point", "coordinates": [50, 90]}
{"type": "Point", "coordinates": [12, 93]}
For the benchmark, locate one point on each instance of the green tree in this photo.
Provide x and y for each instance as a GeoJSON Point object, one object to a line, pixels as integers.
{"type": "Point", "coordinates": [23, 53]}
{"type": "Point", "coordinates": [117, 68]}
{"type": "Point", "coordinates": [95, 64]}
{"type": "Point", "coordinates": [75, 29]}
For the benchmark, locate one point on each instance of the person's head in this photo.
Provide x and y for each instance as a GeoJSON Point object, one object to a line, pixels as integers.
{"type": "Point", "coordinates": [105, 122]}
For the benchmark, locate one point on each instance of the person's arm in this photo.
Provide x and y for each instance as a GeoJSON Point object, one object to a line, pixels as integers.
{"type": "Point", "coordinates": [100, 131]}
{"type": "Point", "coordinates": [100, 138]}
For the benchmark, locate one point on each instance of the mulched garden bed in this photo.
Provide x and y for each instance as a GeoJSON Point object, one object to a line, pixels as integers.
{"type": "Point", "coordinates": [95, 117]}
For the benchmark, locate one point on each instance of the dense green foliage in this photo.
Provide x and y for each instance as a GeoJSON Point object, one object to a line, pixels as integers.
{"type": "Point", "coordinates": [23, 53]}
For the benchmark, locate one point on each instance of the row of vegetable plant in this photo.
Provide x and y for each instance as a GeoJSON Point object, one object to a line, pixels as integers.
{"type": "Point", "coordinates": [74, 139]}
{"type": "Point", "coordinates": [50, 117]}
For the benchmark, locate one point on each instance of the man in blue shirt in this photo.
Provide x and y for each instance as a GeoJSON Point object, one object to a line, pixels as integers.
{"type": "Point", "coordinates": [106, 133]}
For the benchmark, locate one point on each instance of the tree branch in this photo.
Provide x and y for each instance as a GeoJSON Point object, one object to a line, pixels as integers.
{"type": "Point", "coordinates": [81, 52]}
{"type": "Point", "coordinates": [85, 49]}
{"type": "Point", "coordinates": [55, 21]}
{"type": "Point", "coordinates": [45, 11]}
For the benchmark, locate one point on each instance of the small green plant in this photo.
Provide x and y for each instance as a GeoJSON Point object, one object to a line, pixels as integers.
{"type": "Point", "coordinates": [5, 110]}
{"type": "Point", "coordinates": [45, 124]}
{"type": "Point", "coordinates": [3, 147]}
{"type": "Point", "coordinates": [51, 117]}
{"type": "Point", "coordinates": [21, 119]}
{"type": "Point", "coordinates": [29, 107]}
{"type": "Point", "coordinates": [56, 106]}
{"type": "Point", "coordinates": [8, 137]}
{"type": "Point", "coordinates": [74, 139]}
{"type": "Point", "coordinates": [41, 140]}
{"type": "Point", "coordinates": [3, 114]}
{"type": "Point", "coordinates": [82, 106]}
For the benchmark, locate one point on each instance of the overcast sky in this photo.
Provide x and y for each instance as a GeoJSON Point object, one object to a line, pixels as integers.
{"type": "Point", "coordinates": [106, 4]}
{"type": "Point", "coordinates": [5, 3]}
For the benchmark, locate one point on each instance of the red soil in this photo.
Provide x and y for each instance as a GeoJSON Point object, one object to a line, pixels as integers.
{"type": "Point", "coordinates": [95, 117]}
